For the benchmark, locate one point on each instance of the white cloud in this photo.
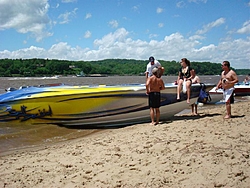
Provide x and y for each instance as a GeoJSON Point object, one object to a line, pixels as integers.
{"type": "Point", "coordinates": [245, 28]}
{"type": "Point", "coordinates": [113, 23]}
{"type": "Point", "coordinates": [67, 16]}
{"type": "Point", "coordinates": [119, 45]}
{"type": "Point", "coordinates": [159, 10]}
{"type": "Point", "coordinates": [211, 25]}
{"type": "Point", "coordinates": [26, 17]}
{"type": "Point", "coordinates": [197, 1]}
{"type": "Point", "coordinates": [135, 8]}
{"type": "Point", "coordinates": [153, 36]}
{"type": "Point", "coordinates": [180, 4]}
{"type": "Point", "coordinates": [108, 40]}
{"type": "Point", "coordinates": [88, 15]}
{"type": "Point", "coordinates": [196, 37]}
{"type": "Point", "coordinates": [68, 1]}
{"type": "Point", "coordinates": [87, 34]}
{"type": "Point", "coordinates": [160, 25]}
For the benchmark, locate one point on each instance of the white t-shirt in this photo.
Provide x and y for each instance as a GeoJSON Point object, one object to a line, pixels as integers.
{"type": "Point", "coordinates": [150, 67]}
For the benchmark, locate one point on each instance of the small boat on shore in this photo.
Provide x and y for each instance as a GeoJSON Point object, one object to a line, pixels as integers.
{"type": "Point", "coordinates": [240, 89]}
{"type": "Point", "coordinates": [89, 106]}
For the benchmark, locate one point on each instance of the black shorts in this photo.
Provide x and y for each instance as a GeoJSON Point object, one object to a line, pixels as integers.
{"type": "Point", "coordinates": [154, 99]}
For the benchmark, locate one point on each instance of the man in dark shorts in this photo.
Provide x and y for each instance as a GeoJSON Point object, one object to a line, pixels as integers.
{"type": "Point", "coordinates": [154, 85]}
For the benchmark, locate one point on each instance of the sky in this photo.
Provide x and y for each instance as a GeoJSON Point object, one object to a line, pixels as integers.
{"type": "Point", "coordinates": [89, 30]}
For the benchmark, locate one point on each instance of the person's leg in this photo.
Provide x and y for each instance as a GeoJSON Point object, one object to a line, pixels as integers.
{"type": "Point", "coordinates": [152, 115]}
{"type": "Point", "coordinates": [228, 108]}
{"type": "Point", "coordinates": [192, 108]}
{"type": "Point", "coordinates": [157, 111]}
{"type": "Point", "coordinates": [196, 106]}
{"type": "Point", "coordinates": [188, 84]}
{"type": "Point", "coordinates": [179, 87]}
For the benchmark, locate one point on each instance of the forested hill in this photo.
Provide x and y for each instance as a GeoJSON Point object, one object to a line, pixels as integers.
{"type": "Point", "coordinates": [48, 67]}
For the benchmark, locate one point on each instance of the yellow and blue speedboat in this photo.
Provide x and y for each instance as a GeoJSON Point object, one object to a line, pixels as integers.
{"type": "Point", "coordinates": [90, 106]}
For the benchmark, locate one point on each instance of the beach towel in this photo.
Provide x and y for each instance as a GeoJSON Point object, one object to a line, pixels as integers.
{"type": "Point", "coordinates": [227, 94]}
{"type": "Point", "coordinates": [184, 86]}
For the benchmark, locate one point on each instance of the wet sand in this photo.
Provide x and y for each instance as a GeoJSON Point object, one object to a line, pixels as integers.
{"type": "Point", "coordinates": [186, 151]}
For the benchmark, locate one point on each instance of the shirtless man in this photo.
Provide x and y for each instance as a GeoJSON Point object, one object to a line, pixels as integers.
{"type": "Point", "coordinates": [154, 85]}
{"type": "Point", "coordinates": [228, 80]}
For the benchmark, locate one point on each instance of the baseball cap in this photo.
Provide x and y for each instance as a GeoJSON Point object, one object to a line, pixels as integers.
{"type": "Point", "coordinates": [151, 58]}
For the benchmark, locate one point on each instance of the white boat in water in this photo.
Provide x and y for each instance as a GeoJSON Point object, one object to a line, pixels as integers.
{"type": "Point", "coordinates": [89, 106]}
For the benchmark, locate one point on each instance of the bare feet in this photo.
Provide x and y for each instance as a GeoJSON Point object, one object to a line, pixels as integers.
{"type": "Point", "coordinates": [152, 123]}
{"type": "Point", "coordinates": [227, 117]}
{"type": "Point", "coordinates": [188, 101]}
{"type": "Point", "coordinates": [195, 114]}
{"type": "Point", "coordinates": [156, 123]}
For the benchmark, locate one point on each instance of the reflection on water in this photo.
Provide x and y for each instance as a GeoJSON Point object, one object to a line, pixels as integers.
{"type": "Point", "coordinates": [16, 136]}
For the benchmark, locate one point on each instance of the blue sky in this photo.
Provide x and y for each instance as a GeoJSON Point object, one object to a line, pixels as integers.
{"type": "Point", "coordinates": [200, 30]}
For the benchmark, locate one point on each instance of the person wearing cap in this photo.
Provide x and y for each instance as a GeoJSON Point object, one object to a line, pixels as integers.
{"type": "Point", "coordinates": [154, 85]}
{"type": "Point", "coordinates": [152, 64]}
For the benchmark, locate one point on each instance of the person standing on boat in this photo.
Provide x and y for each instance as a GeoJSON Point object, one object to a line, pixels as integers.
{"type": "Point", "coordinates": [228, 80]}
{"type": "Point", "coordinates": [151, 65]}
{"type": "Point", "coordinates": [185, 76]}
{"type": "Point", "coordinates": [154, 85]}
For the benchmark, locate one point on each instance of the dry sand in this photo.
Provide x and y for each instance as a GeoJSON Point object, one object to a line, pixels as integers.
{"type": "Point", "coordinates": [187, 151]}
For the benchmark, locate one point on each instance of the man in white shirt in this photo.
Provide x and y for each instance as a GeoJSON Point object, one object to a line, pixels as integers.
{"type": "Point", "coordinates": [152, 64]}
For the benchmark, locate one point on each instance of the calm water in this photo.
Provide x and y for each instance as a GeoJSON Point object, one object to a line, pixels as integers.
{"type": "Point", "coordinates": [17, 136]}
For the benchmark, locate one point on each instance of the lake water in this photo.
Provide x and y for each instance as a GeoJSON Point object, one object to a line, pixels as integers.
{"type": "Point", "coordinates": [18, 136]}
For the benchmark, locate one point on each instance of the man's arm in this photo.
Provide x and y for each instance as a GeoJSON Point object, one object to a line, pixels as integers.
{"type": "Point", "coordinates": [147, 86]}
{"type": "Point", "coordinates": [219, 83]}
{"type": "Point", "coordinates": [234, 78]}
{"type": "Point", "coordinates": [162, 85]}
{"type": "Point", "coordinates": [146, 76]}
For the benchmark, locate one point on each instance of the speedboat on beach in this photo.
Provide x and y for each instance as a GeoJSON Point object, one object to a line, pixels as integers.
{"type": "Point", "coordinates": [89, 106]}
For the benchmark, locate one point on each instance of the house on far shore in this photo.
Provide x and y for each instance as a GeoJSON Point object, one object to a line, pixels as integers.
{"type": "Point", "coordinates": [97, 75]}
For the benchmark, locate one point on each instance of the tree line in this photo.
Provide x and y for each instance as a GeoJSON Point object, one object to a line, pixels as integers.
{"type": "Point", "coordinates": [50, 67]}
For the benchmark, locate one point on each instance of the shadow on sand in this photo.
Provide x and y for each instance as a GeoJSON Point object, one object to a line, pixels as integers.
{"type": "Point", "coordinates": [170, 120]}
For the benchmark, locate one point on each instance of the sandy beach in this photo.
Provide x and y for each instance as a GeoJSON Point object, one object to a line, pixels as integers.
{"type": "Point", "coordinates": [186, 151]}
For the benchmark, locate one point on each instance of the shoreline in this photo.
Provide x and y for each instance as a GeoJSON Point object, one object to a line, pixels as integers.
{"type": "Point", "coordinates": [36, 148]}
{"type": "Point", "coordinates": [186, 151]}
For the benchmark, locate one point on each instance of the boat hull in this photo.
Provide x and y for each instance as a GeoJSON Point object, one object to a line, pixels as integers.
{"type": "Point", "coordinates": [239, 90]}
{"type": "Point", "coordinates": [89, 106]}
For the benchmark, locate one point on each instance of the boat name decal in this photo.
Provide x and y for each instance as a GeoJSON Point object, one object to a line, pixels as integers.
{"type": "Point", "coordinates": [24, 115]}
